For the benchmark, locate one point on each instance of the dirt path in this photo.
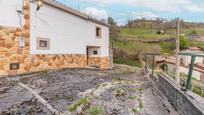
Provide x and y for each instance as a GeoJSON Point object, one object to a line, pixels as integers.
{"type": "Point", "coordinates": [124, 89]}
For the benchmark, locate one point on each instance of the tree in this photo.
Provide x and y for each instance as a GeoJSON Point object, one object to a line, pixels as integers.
{"type": "Point", "coordinates": [111, 21]}
{"type": "Point", "coordinates": [114, 29]}
{"type": "Point", "coordinates": [183, 42]}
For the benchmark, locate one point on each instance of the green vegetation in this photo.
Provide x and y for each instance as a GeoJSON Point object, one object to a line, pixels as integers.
{"type": "Point", "coordinates": [136, 110]}
{"type": "Point", "coordinates": [183, 42]}
{"type": "Point", "coordinates": [140, 90]}
{"type": "Point", "coordinates": [196, 44]}
{"type": "Point", "coordinates": [131, 97]}
{"type": "Point", "coordinates": [136, 63]}
{"type": "Point", "coordinates": [44, 73]}
{"type": "Point", "coordinates": [96, 110]}
{"type": "Point", "coordinates": [140, 33]}
{"type": "Point", "coordinates": [120, 91]}
{"type": "Point", "coordinates": [147, 36]}
{"type": "Point", "coordinates": [83, 101]}
{"type": "Point", "coordinates": [141, 105]}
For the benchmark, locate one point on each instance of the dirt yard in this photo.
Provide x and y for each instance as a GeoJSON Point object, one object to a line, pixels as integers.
{"type": "Point", "coordinates": [121, 91]}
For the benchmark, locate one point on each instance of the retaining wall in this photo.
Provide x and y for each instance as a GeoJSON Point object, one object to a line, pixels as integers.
{"type": "Point", "coordinates": [186, 103]}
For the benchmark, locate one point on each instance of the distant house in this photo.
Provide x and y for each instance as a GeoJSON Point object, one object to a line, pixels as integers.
{"type": "Point", "coordinates": [186, 60]}
{"type": "Point", "coordinates": [198, 73]}
{"type": "Point", "coordinates": [53, 37]}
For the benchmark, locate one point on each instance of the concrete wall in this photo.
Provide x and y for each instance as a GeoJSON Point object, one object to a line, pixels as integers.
{"type": "Point", "coordinates": [183, 102]}
{"type": "Point", "coordinates": [68, 34]}
{"type": "Point", "coordinates": [8, 12]}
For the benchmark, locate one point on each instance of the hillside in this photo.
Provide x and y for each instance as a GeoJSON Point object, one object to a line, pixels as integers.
{"type": "Point", "coordinates": [131, 42]}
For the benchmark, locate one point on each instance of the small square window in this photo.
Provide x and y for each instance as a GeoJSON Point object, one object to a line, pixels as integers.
{"type": "Point", "coordinates": [14, 66]}
{"type": "Point", "coordinates": [43, 44]}
{"type": "Point", "coordinates": [95, 52]}
{"type": "Point", "coordinates": [98, 32]}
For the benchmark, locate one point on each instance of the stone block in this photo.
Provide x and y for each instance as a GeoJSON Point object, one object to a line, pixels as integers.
{"type": "Point", "coordinates": [26, 16]}
{"type": "Point", "coordinates": [2, 42]}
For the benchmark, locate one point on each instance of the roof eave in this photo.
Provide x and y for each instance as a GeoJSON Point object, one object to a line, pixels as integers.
{"type": "Point", "coordinates": [62, 7]}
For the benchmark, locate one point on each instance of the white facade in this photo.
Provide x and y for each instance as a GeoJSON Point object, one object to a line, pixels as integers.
{"type": "Point", "coordinates": [68, 34]}
{"type": "Point", "coordinates": [9, 14]}
{"type": "Point", "coordinates": [186, 60]}
{"type": "Point", "coordinates": [172, 68]}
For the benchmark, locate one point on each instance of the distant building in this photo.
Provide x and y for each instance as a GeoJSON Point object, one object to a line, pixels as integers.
{"type": "Point", "coordinates": [186, 60]}
{"type": "Point", "coordinates": [171, 65]}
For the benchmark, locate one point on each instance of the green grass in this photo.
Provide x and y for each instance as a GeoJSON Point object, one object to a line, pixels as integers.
{"type": "Point", "coordinates": [140, 33]}
{"type": "Point", "coordinates": [200, 31]}
{"type": "Point", "coordinates": [96, 110]}
{"type": "Point", "coordinates": [83, 101]}
{"type": "Point", "coordinates": [196, 44]}
{"type": "Point", "coordinates": [135, 63]}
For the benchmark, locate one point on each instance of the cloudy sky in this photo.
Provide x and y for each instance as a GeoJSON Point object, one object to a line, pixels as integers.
{"type": "Point", "coordinates": [121, 10]}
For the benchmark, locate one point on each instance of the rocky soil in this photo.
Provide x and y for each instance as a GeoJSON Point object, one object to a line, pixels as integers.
{"type": "Point", "coordinates": [121, 91]}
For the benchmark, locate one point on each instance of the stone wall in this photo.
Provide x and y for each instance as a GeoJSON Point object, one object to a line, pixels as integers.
{"type": "Point", "coordinates": [9, 48]}
{"type": "Point", "coordinates": [101, 62]}
{"type": "Point", "coordinates": [186, 103]}
{"type": "Point", "coordinates": [10, 52]}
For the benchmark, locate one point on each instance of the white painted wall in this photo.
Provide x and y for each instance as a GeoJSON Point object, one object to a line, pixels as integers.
{"type": "Point", "coordinates": [187, 60]}
{"type": "Point", "coordinates": [8, 13]}
{"type": "Point", "coordinates": [68, 34]}
{"type": "Point", "coordinates": [196, 74]}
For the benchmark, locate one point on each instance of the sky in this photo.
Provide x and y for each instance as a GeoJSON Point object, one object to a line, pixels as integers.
{"type": "Point", "coordinates": [123, 10]}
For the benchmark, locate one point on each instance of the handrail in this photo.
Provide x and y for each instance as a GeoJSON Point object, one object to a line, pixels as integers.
{"type": "Point", "coordinates": [191, 54]}
{"type": "Point", "coordinates": [193, 58]}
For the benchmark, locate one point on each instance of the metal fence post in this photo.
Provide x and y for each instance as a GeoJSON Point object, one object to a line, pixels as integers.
{"type": "Point", "coordinates": [190, 73]}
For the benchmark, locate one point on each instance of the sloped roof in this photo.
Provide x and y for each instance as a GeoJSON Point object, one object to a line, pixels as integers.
{"type": "Point", "coordinates": [194, 48]}
{"type": "Point", "coordinates": [65, 8]}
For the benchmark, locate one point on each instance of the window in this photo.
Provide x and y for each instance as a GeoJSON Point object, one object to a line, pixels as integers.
{"type": "Point", "coordinates": [95, 52]}
{"type": "Point", "coordinates": [43, 44]}
{"type": "Point", "coordinates": [14, 66]}
{"type": "Point", "coordinates": [98, 32]}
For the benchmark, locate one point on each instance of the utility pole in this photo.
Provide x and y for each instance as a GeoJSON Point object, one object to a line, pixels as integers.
{"type": "Point", "coordinates": [177, 78]}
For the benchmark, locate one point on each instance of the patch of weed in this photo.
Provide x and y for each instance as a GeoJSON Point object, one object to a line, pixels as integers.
{"type": "Point", "coordinates": [96, 110]}
{"type": "Point", "coordinates": [117, 78]}
{"type": "Point", "coordinates": [131, 97]}
{"type": "Point", "coordinates": [141, 105]}
{"type": "Point", "coordinates": [136, 110]}
{"type": "Point", "coordinates": [82, 101]}
{"type": "Point", "coordinates": [44, 73]}
{"type": "Point", "coordinates": [140, 90]}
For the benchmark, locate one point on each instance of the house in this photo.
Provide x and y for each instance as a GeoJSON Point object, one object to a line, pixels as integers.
{"type": "Point", "coordinates": [198, 73]}
{"type": "Point", "coordinates": [186, 60]}
{"type": "Point", "coordinates": [52, 37]}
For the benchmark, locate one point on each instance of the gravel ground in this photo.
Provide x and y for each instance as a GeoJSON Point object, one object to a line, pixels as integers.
{"type": "Point", "coordinates": [121, 91]}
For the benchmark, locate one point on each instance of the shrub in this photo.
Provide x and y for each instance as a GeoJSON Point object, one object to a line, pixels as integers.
{"type": "Point", "coordinates": [193, 32]}
{"type": "Point", "coordinates": [183, 42]}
